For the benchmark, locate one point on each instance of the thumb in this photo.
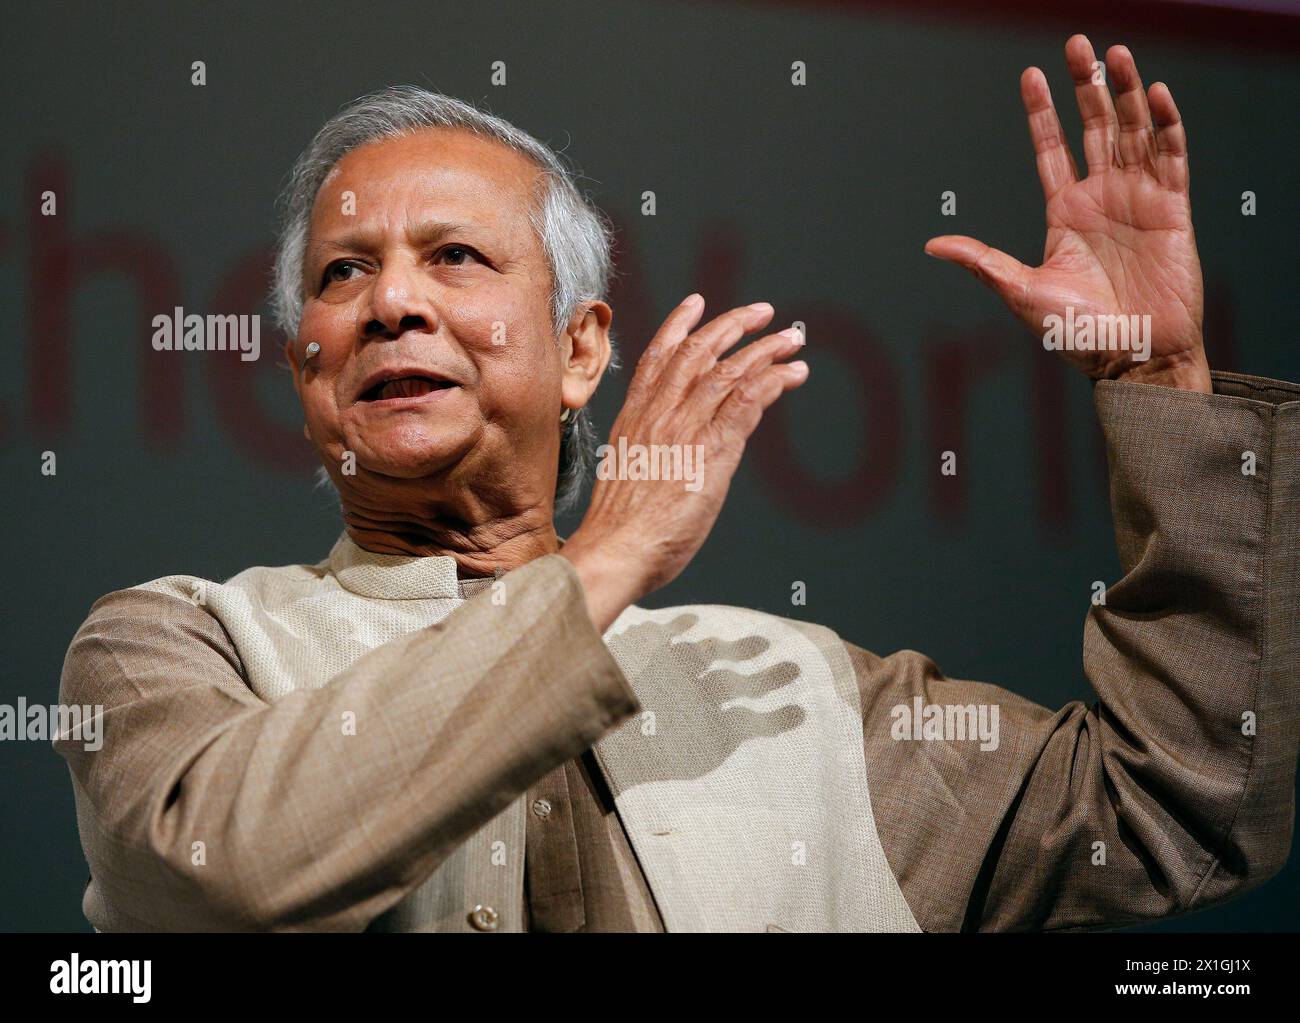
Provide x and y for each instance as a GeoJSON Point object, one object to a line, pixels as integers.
{"type": "Point", "coordinates": [1005, 274]}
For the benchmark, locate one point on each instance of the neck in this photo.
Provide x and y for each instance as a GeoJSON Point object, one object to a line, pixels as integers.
{"type": "Point", "coordinates": [481, 544]}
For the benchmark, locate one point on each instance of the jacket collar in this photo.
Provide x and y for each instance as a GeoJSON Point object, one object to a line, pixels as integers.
{"type": "Point", "coordinates": [392, 576]}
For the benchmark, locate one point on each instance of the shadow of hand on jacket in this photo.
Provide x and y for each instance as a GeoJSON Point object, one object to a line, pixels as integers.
{"type": "Point", "coordinates": [691, 732]}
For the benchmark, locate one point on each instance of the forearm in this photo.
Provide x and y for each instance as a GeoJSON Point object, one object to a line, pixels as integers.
{"type": "Point", "coordinates": [1176, 790]}
{"type": "Point", "coordinates": [608, 586]}
{"type": "Point", "coordinates": [326, 807]}
{"type": "Point", "coordinates": [1196, 652]}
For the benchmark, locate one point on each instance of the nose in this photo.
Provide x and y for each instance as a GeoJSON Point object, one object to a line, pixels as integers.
{"type": "Point", "coordinates": [399, 301]}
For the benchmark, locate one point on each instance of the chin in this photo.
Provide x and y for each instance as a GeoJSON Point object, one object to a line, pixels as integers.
{"type": "Point", "coordinates": [408, 439]}
{"type": "Point", "coordinates": [412, 450]}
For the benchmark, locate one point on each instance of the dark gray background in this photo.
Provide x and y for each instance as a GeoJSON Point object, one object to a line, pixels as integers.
{"type": "Point", "coordinates": [817, 199]}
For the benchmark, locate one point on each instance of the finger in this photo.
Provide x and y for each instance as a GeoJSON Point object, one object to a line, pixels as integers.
{"type": "Point", "coordinates": [719, 334]}
{"type": "Point", "coordinates": [1171, 139]}
{"type": "Point", "coordinates": [677, 326]}
{"type": "Point", "coordinates": [700, 351]}
{"type": "Point", "coordinates": [740, 414]}
{"type": "Point", "coordinates": [1095, 106]}
{"type": "Point", "coordinates": [712, 388]}
{"type": "Point", "coordinates": [1137, 146]}
{"type": "Point", "coordinates": [1056, 167]}
{"type": "Point", "coordinates": [1005, 274]}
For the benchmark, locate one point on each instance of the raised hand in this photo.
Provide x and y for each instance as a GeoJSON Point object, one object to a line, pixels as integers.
{"type": "Point", "coordinates": [639, 533]}
{"type": "Point", "coordinates": [1120, 241]}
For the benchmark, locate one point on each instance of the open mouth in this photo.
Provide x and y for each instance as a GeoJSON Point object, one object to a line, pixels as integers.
{"type": "Point", "coordinates": [404, 387]}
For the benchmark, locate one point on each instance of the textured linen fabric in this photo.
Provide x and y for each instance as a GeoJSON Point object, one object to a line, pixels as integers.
{"type": "Point", "coordinates": [742, 784]}
{"type": "Point", "coordinates": [804, 857]}
{"type": "Point", "coordinates": [495, 758]}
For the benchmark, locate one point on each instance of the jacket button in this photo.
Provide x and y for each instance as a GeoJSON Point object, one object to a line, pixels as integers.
{"type": "Point", "coordinates": [484, 918]}
{"type": "Point", "coordinates": [542, 808]}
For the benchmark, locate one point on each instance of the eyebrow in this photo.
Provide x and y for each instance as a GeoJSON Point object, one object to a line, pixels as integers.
{"type": "Point", "coordinates": [427, 232]}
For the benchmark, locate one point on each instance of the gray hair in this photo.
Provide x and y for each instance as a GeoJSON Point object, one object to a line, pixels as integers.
{"type": "Point", "coordinates": [576, 236]}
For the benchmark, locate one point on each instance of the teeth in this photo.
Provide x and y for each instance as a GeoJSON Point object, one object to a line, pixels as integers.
{"type": "Point", "coordinates": [406, 387]}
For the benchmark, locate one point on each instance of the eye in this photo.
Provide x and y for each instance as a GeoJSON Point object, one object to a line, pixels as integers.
{"type": "Point", "coordinates": [457, 255]}
{"type": "Point", "coordinates": [337, 272]}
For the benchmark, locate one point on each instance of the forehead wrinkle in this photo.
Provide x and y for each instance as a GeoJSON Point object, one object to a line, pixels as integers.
{"type": "Point", "coordinates": [523, 182]}
{"type": "Point", "coordinates": [418, 232]}
{"type": "Point", "coordinates": [430, 232]}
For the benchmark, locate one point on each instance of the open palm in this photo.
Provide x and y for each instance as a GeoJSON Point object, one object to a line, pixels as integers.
{"type": "Point", "coordinates": [1120, 241]}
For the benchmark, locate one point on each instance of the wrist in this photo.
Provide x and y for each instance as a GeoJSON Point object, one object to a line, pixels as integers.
{"type": "Point", "coordinates": [1188, 372]}
{"type": "Point", "coordinates": [608, 584]}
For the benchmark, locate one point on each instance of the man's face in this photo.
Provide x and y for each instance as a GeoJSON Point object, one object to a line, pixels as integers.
{"type": "Point", "coordinates": [431, 306]}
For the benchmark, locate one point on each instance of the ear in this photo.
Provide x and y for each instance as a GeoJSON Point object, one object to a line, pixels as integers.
{"type": "Point", "coordinates": [584, 352]}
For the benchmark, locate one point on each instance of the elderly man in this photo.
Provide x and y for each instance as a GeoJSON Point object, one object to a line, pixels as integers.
{"type": "Point", "coordinates": [457, 722]}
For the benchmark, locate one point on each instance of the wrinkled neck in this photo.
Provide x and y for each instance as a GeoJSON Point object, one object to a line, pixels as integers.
{"type": "Point", "coordinates": [480, 549]}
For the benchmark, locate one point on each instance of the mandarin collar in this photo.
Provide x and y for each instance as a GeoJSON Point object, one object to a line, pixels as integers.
{"type": "Point", "coordinates": [392, 576]}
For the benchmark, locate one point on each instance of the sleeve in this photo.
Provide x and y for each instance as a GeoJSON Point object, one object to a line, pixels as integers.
{"type": "Point", "coordinates": [1175, 790]}
{"type": "Point", "coordinates": [302, 825]}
